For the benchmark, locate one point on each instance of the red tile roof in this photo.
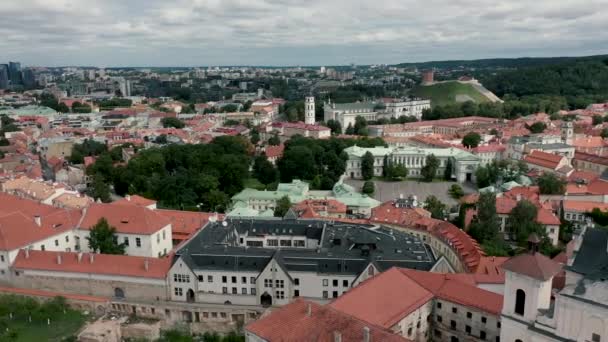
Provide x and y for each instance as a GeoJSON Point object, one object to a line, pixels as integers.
{"type": "Point", "coordinates": [504, 205]}
{"type": "Point", "coordinates": [185, 223]}
{"type": "Point", "coordinates": [390, 296]}
{"type": "Point", "coordinates": [388, 213]}
{"type": "Point", "coordinates": [18, 227]}
{"type": "Point", "coordinates": [107, 264]}
{"type": "Point", "coordinates": [583, 206]}
{"type": "Point", "coordinates": [274, 151]}
{"type": "Point", "coordinates": [534, 265]}
{"type": "Point", "coordinates": [543, 159]}
{"type": "Point", "coordinates": [126, 219]}
{"type": "Point", "coordinates": [590, 158]}
{"type": "Point", "coordinates": [292, 322]}
{"type": "Point", "coordinates": [384, 299]}
{"type": "Point", "coordinates": [135, 200]}
{"type": "Point", "coordinates": [546, 217]}
{"type": "Point", "coordinates": [583, 175]}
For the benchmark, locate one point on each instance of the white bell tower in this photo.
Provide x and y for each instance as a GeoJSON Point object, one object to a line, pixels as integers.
{"type": "Point", "coordinates": [309, 110]}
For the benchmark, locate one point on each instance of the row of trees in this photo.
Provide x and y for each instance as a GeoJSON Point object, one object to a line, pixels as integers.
{"type": "Point", "coordinates": [397, 171]}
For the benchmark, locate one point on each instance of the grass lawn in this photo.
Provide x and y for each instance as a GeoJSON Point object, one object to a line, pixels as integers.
{"type": "Point", "coordinates": [254, 184]}
{"type": "Point", "coordinates": [62, 326]}
{"type": "Point", "coordinates": [446, 93]}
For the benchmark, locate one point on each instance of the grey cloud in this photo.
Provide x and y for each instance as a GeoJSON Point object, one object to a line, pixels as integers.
{"type": "Point", "coordinates": [291, 32]}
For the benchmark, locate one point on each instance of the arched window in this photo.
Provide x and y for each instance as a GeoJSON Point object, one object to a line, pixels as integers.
{"type": "Point", "coordinates": [518, 340]}
{"type": "Point", "coordinates": [520, 302]}
{"type": "Point", "coordinates": [119, 293]}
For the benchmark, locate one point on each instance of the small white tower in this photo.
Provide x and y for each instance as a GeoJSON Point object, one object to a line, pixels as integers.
{"type": "Point", "coordinates": [567, 132]}
{"type": "Point", "coordinates": [309, 110]}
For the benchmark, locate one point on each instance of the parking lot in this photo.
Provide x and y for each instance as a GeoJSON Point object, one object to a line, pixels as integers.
{"type": "Point", "coordinates": [386, 191]}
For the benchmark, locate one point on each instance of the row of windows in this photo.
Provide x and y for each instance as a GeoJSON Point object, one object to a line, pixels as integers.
{"type": "Point", "coordinates": [467, 328]}
{"type": "Point", "coordinates": [181, 278]}
{"type": "Point", "coordinates": [126, 241]}
{"type": "Point", "coordinates": [335, 282]}
{"type": "Point", "coordinates": [483, 319]}
{"type": "Point", "coordinates": [252, 290]}
{"type": "Point", "coordinates": [334, 294]}
{"type": "Point", "coordinates": [158, 236]}
{"type": "Point", "coordinates": [233, 279]}
{"type": "Point", "coordinates": [276, 243]}
{"type": "Point", "coordinates": [278, 283]}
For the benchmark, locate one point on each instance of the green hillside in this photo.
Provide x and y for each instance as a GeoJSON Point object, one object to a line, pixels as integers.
{"type": "Point", "coordinates": [449, 93]}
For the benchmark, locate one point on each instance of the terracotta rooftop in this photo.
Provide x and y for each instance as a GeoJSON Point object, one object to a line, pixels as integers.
{"type": "Point", "coordinates": [583, 206]}
{"type": "Point", "coordinates": [185, 223]}
{"type": "Point", "coordinates": [534, 265]}
{"type": "Point", "coordinates": [543, 159]}
{"type": "Point", "coordinates": [126, 219]}
{"type": "Point", "coordinates": [135, 200]}
{"type": "Point", "coordinates": [390, 296]}
{"type": "Point", "coordinates": [274, 151]}
{"type": "Point", "coordinates": [384, 299]}
{"type": "Point", "coordinates": [304, 321]}
{"type": "Point", "coordinates": [590, 158]}
{"type": "Point", "coordinates": [118, 265]}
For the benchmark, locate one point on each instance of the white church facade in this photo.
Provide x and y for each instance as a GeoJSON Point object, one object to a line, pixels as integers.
{"type": "Point", "coordinates": [533, 311]}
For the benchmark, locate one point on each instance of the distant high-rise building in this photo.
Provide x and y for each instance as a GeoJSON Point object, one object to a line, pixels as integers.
{"type": "Point", "coordinates": [14, 72]}
{"type": "Point", "coordinates": [29, 81]}
{"type": "Point", "coordinates": [3, 76]}
{"type": "Point", "coordinates": [309, 110]}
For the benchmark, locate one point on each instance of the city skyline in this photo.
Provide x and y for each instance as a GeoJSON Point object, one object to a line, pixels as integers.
{"type": "Point", "coordinates": [290, 33]}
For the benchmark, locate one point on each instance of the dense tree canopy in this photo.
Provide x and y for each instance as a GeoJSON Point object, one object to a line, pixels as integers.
{"type": "Point", "coordinates": [367, 166]}
{"type": "Point", "coordinates": [172, 122]}
{"type": "Point", "coordinates": [471, 140]}
{"type": "Point", "coordinates": [334, 125]}
{"type": "Point", "coordinates": [89, 147]}
{"type": "Point", "coordinates": [537, 127]}
{"type": "Point", "coordinates": [103, 239]}
{"type": "Point", "coordinates": [429, 170]}
{"type": "Point", "coordinates": [283, 205]}
{"type": "Point", "coordinates": [485, 226]}
{"type": "Point", "coordinates": [368, 188]}
{"type": "Point", "coordinates": [435, 207]}
{"type": "Point", "coordinates": [307, 158]}
{"type": "Point", "coordinates": [183, 176]}
{"type": "Point", "coordinates": [550, 184]}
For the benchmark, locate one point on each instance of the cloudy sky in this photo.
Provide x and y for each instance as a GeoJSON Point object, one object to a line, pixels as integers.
{"type": "Point", "coordinates": [295, 32]}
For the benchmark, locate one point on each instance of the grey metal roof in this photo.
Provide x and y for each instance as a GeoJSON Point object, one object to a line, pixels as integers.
{"type": "Point", "coordinates": [592, 258]}
{"type": "Point", "coordinates": [343, 248]}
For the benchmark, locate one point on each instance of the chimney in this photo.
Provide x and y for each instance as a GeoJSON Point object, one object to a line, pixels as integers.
{"type": "Point", "coordinates": [308, 310]}
{"type": "Point", "coordinates": [27, 253]}
{"type": "Point", "coordinates": [366, 335]}
{"type": "Point", "coordinates": [128, 198]}
{"type": "Point", "coordinates": [91, 257]}
{"type": "Point", "coordinates": [79, 257]}
{"type": "Point", "coordinates": [337, 336]}
{"type": "Point", "coordinates": [146, 264]}
{"type": "Point", "coordinates": [37, 220]}
{"type": "Point", "coordinates": [58, 259]}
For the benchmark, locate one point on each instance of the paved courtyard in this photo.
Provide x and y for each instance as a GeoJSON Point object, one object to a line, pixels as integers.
{"type": "Point", "coordinates": [386, 191]}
